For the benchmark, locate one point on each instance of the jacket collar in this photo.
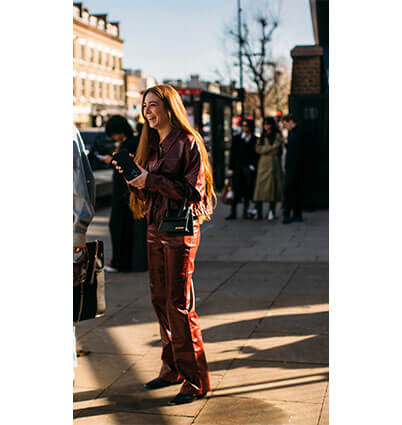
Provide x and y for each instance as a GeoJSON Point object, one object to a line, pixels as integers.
{"type": "Point", "coordinates": [169, 140]}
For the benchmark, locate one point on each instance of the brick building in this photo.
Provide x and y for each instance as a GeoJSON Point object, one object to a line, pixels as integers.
{"type": "Point", "coordinates": [98, 77]}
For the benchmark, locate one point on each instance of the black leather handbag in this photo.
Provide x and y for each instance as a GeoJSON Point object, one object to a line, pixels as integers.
{"type": "Point", "coordinates": [89, 295]}
{"type": "Point", "coordinates": [178, 222]}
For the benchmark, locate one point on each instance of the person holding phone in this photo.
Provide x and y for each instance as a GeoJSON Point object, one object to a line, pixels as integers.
{"type": "Point", "coordinates": [128, 235]}
{"type": "Point", "coordinates": [173, 162]}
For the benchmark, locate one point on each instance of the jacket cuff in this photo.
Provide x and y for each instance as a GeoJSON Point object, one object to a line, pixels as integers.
{"type": "Point", "coordinates": [79, 240]}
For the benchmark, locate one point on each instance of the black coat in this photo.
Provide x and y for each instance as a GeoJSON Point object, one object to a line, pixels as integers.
{"type": "Point", "coordinates": [295, 150]}
{"type": "Point", "coordinates": [128, 235]}
{"type": "Point", "coordinates": [242, 155]}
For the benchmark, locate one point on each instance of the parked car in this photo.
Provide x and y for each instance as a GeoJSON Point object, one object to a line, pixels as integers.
{"type": "Point", "coordinates": [98, 144]}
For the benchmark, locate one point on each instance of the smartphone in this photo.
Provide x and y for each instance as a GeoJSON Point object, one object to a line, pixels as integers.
{"type": "Point", "coordinates": [130, 169]}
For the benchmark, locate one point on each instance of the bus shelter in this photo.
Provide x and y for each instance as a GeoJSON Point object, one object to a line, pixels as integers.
{"type": "Point", "coordinates": [211, 115]}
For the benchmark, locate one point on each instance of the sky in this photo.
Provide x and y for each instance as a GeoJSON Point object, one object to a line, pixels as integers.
{"type": "Point", "coordinates": [171, 39]}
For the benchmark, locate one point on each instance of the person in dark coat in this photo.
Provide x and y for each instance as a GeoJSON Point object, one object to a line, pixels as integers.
{"type": "Point", "coordinates": [129, 245]}
{"type": "Point", "coordinates": [293, 189]}
{"type": "Point", "coordinates": [243, 167]}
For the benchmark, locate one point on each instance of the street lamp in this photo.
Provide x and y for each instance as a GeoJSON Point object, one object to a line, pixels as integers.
{"type": "Point", "coordinates": [241, 93]}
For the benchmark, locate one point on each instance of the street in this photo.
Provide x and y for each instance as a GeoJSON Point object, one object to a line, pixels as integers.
{"type": "Point", "coordinates": [262, 298]}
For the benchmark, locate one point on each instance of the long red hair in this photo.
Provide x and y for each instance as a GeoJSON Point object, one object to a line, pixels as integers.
{"type": "Point", "coordinates": [150, 138]}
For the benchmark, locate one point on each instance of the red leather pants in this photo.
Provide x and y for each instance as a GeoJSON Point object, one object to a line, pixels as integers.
{"type": "Point", "coordinates": [171, 266]}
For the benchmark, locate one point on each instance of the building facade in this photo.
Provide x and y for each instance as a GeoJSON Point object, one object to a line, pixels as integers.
{"type": "Point", "coordinates": [98, 75]}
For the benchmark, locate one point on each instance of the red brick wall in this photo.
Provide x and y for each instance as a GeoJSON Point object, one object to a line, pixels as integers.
{"type": "Point", "coordinates": [306, 70]}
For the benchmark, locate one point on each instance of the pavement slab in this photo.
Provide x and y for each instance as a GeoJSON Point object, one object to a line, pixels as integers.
{"type": "Point", "coordinates": [228, 410]}
{"type": "Point", "coordinates": [101, 370]}
{"type": "Point", "coordinates": [282, 348]}
{"type": "Point", "coordinates": [270, 381]}
{"type": "Point", "coordinates": [324, 416]}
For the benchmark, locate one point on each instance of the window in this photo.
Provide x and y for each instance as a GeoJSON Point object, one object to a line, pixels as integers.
{"type": "Point", "coordinates": [100, 89]}
{"type": "Point", "coordinates": [91, 54]}
{"type": "Point", "coordinates": [107, 90]}
{"type": "Point", "coordinates": [107, 59]}
{"type": "Point", "coordinates": [116, 93]}
{"type": "Point", "coordinates": [83, 87]}
{"type": "Point", "coordinates": [92, 88]}
{"type": "Point", "coordinates": [82, 52]}
{"type": "Point", "coordinates": [100, 57]}
{"type": "Point", "coordinates": [121, 93]}
{"type": "Point", "coordinates": [114, 64]}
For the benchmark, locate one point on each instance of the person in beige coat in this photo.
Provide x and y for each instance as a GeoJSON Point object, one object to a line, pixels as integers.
{"type": "Point", "coordinates": [269, 183]}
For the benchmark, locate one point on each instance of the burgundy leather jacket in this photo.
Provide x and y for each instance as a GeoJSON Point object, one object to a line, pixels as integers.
{"type": "Point", "coordinates": [176, 166]}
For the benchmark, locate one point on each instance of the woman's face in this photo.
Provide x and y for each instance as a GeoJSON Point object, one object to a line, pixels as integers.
{"type": "Point", "coordinates": [155, 111]}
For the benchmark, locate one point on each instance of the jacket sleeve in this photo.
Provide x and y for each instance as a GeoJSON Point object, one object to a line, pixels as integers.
{"type": "Point", "coordinates": [266, 148]}
{"type": "Point", "coordinates": [83, 209]}
{"type": "Point", "coordinates": [193, 177]}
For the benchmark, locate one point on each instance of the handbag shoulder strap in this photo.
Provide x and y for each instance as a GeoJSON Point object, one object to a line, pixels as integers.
{"type": "Point", "coordinates": [183, 206]}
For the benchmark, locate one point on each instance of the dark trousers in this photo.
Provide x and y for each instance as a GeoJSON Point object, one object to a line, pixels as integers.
{"type": "Point", "coordinates": [171, 266]}
{"type": "Point", "coordinates": [246, 204]}
{"type": "Point", "coordinates": [128, 241]}
{"type": "Point", "coordinates": [243, 188]}
{"type": "Point", "coordinates": [292, 194]}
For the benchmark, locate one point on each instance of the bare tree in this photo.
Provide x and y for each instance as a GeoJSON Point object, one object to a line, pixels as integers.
{"type": "Point", "coordinates": [255, 39]}
{"type": "Point", "coordinates": [277, 98]}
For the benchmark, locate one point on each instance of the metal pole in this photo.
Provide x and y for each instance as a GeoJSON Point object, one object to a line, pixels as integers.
{"type": "Point", "coordinates": [240, 57]}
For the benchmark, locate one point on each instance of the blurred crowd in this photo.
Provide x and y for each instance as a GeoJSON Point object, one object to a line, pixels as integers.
{"type": "Point", "coordinates": [266, 170]}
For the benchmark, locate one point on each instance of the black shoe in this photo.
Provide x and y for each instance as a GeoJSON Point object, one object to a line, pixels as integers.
{"type": "Point", "coordinates": [286, 219]}
{"type": "Point", "coordinates": [160, 383]}
{"type": "Point", "coordinates": [231, 217]}
{"type": "Point", "coordinates": [185, 398]}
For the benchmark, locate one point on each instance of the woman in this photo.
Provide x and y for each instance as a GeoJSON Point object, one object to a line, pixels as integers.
{"type": "Point", "coordinates": [128, 235]}
{"type": "Point", "coordinates": [173, 159]}
{"type": "Point", "coordinates": [269, 182]}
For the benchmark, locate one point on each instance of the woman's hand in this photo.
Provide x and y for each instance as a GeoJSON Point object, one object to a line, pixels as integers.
{"type": "Point", "coordinates": [138, 182]}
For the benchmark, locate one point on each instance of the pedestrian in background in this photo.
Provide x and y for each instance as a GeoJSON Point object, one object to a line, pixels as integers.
{"type": "Point", "coordinates": [269, 183]}
{"type": "Point", "coordinates": [128, 235]}
{"type": "Point", "coordinates": [293, 188]}
{"type": "Point", "coordinates": [174, 163]}
{"type": "Point", "coordinates": [83, 213]}
{"type": "Point", "coordinates": [242, 168]}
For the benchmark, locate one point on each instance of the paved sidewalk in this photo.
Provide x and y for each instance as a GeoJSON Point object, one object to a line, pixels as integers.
{"type": "Point", "coordinates": [262, 298]}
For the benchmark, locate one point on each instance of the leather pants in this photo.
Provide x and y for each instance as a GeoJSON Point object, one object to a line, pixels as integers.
{"type": "Point", "coordinates": [171, 266]}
